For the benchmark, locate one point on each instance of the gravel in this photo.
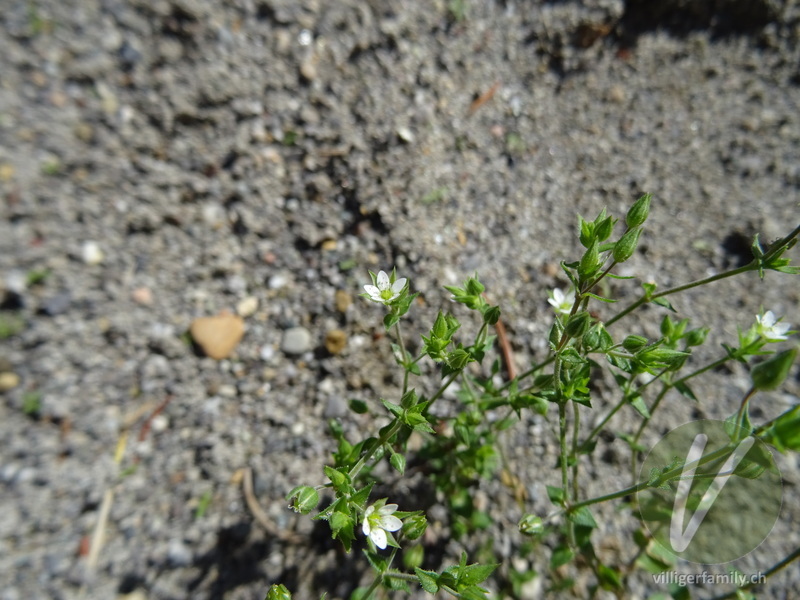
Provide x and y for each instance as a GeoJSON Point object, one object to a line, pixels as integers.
{"type": "Point", "coordinates": [169, 160]}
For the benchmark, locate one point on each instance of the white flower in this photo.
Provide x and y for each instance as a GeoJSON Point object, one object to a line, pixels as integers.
{"type": "Point", "coordinates": [377, 521]}
{"type": "Point", "coordinates": [770, 328]}
{"type": "Point", "coordinates": [385, 291]}
{"type": "Point", "coordinates": [560, 302]}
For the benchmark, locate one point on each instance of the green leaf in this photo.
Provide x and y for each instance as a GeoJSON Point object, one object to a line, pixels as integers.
{"type": "Point", "coordinates": [685, 390]}
{"type": "Point", "coordinates": [561, 556]}
{"type": "Point", "coordinates": [361, 496]}
{"type": "Point", "coordinates": [474, 574]}
{"type": "Point", "coordinates": [771, 373]}
{"type": "Point", "coordinates": [339, 479]}
{"type": "Point", "coordinates": [398, 461]}
{"type": "Point", "coordinates": [428, 580]}
{"type": "Point", "coordinates": [609, 579]}
{"type": "Point", "coordinates": [665, 303]}
{"type": "Point", "coordinates": [637, 402]}
{"type": "Point", "coordinates": [583, 517]}
{"type": "Point", "coordinates": [358, 406]}
{"type": "Point", "coordinates": [556, 495]}
{"type": "Point", "coordinates": [784, 433]}
{"type": "Point", "coordinates": [393, 408]}
{"type": "Point", "coordinates": [390, 320]}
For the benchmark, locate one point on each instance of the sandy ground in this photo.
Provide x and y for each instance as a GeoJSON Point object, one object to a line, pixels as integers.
{"type": "Point", "coordinates": [166, 160]}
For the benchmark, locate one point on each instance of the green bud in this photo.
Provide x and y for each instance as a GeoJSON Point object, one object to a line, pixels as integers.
{"type": "Point", "coordinates": [638, 212]}
{"type": "Point", "coordinates": [626, 246]}
{"type": "Point", "coordinates": [604, 229]}
{"type": "Point", "coordinates": [578, 324]}
{"type": "Point", "coordinates": [592, 338]}
{"type": "Point", "coordinates": [586, 231]}
{"type": "Point", "coordinates": [632, 343]}
{"type": "Point", "coordinates": [662, 356]}
{"type": "Point", "coordinates": [555, 333]}
{"type": "Point", "coordinates": [696, 337]}
{"type": "Point", "coordinates": [770, 374]}
{"type": "Point", "coordinates": [458, 359]}
{"type": "Point", "coordinates": [278, 591]}
{"type": "Point", "coordinates": [491, 315]}
{"type": "Point", "coordinates": [304, 499]}
{"type": "Point", "coordinates": [414, 526]}
{"type": "Point", "coordinates": [531, 525]}
{"type": "Point", "coordinates": [474, 287]}
{"type": "Point", "coordinates": [590, 260]}
{"type": "Point", "coordinates": [413, 557]}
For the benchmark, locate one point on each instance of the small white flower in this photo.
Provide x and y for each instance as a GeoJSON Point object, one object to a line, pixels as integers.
{"type": "Point", "coordinates": [385, 291]}
{"type": "Point", "coordinates": [770, 328]}
{"type": "Point", "coordinates": [560, 302]}
{"type": "Point", "coordinates": [377, 521]}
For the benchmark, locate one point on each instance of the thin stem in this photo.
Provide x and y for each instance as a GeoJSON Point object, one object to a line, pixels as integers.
{"type": "Point", "coordinates": [771, 571]}
{"type": "Point", "coordinates": [681, 288]}
{"type": "Point", "coordinates": [379, 577]}
{"type": "Point", "coordinates": [750, 393]}
{"type": "Point", "coordinates": [576, 424]}
{"type": "Point", "coordinates": [668, 476]}
{"type": "Point", "coordinates": [405, 356]}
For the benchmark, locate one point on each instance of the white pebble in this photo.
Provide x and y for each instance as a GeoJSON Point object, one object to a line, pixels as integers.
{"type": "Point", "coordinates": [91, 254]}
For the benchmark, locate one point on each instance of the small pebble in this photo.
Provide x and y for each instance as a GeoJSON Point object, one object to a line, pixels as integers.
{"type": "Point", "coordinates": [179, 554]}
{"type": "Point", "coordinates": [218, 335]}
{"type": "Point", "coordinates": [91, 254]}
{"type": "Point", "coordinates": [296, 340]}
{"type": "Point", "coordinates": [247, 306]}
{"type": "Point", "coordinates": [8, 381]}
{"type": "Point", "coordinates": [342, 300]}
{"type": "Point", "coordinates": [335, 341]}
{"type": "Point", "coordinates": [277, 281]}
{"type": "Point", "coordinates": [56, 305]}
{"type": "Point", "coordinates": [143, 296]}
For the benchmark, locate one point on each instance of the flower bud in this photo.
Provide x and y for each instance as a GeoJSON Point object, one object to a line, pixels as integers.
{"type": "Point", "coordinates": [696, 337]}
{"type": "Point", "coordinates": [638, 212]}
{"type": "Point", "coordinates": [626, 245]}
{"type": "Point", "coordinates": [771, 373]}
{"type": "Point", "coordinates": [578, 324]}
{"type": "Point", "coordinates": [414, 526]}
{"type": "Point", "coordinates": [632, 343]}
{"type": "Point", "coordinates": [531, 525]}
{"type": "Point", "coordinates": [278, 592]}
{"type": "Point", "coordinates": [304, 499]}
{"type": "Point", "coordinates": [413, 557]}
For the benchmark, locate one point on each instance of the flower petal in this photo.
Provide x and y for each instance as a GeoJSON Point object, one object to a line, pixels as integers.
{"type": "Point", "coordinates": [390, 523]}
{"type": "Point", "coordinates": [382, 280]}
{"type": "Point", "coordinates": [398, 285]}
{"type": "Point", "coordinates": [378, 536]}
{"type": "Point", "coordinates": [366, 527]}
{"type": "Point", "coordinates": [387, 509]}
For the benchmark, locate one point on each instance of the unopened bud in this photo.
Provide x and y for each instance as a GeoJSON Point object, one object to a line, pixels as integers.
{"type": "Point", "coordinates": [638, 212]}
{"type": "Point", "coordinates": [626, 246]}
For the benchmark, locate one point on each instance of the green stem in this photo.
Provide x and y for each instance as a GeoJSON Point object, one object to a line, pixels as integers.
{"type": "Point", "coordinates": [379, 577]}
{"type": "Point", "coordinates": [681, 288]}
{"type": "Point", "coordinates": [405, 356]}
{"type": "Point", "coordinates": [750, 393]}
{"type": "Point", "coordinates": [576, 424]}
{"type": "Point", "coordinates": [771, 571]}
{"type": "Point", "coordinates": [668, 476]}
